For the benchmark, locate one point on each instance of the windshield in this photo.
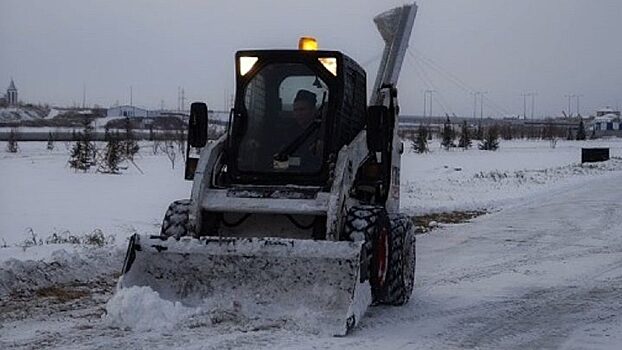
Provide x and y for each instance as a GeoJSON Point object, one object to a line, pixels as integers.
{"type": "Point", "coordinates": [285, 104]}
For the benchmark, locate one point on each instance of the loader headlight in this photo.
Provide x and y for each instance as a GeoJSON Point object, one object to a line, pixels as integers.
{"type": "Point", "coordinates": [246, 64]}
{"type": "Point", "coordinates": [330, 63]}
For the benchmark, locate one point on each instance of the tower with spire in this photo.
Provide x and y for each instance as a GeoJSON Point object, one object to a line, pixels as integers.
{"type": "Point", "coordinates": [11, 94]}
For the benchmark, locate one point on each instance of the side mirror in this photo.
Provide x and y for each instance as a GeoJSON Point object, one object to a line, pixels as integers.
{"type": "Point", "coordinates": [376, 125]}
{"type": "Point", "coordinates": [197, 125]}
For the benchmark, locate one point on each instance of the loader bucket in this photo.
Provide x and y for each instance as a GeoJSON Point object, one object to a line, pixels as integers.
{"type": "Point", "coordinates": [276, 279]}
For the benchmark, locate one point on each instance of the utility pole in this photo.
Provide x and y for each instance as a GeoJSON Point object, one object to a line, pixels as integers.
{"type": "Point", "coordinates": [475, 104]}
{"type": "Point", "coordinates": [569, 99]}
{"type": "Point", "coordinates": [83, 95]}
{"type": "Point", "coordinates": [578, 103]}
{"type": "Point", "coordinates": [425, 104]}
{"type": "Point", "coordinates": [525, 105]}
{"type": "Point", "coordinates": [132, 101]}
{"type": "Point", "coordinates": [178, 98]}
{"type": "Point", "coordinates": [183, 99]}
{"type": "Point", "coordinates": [481, 96]}
{"type": "Point", "coordinates": [533, 103]}
{"type": "Point", "coordinates": [431, 92]}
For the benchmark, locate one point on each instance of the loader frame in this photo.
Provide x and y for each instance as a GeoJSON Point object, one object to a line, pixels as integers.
{"type": "Point", "coordinates": [334, 236]}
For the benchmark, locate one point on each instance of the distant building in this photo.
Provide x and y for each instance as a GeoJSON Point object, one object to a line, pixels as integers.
{"type": "Point", "coordinates": [132, 112]}
{"type": "Point", "coordinates": [127, 111]}
{"type": "Point", "coordinates": [606, 111]}
{"type": "Point", "coordinates": [11, 95]}
{"type": "Point", "coordinates": [607, 122]}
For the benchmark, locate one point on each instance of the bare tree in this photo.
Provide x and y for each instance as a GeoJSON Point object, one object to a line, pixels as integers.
{"type": "Point", "coordinates": [12, 145]}
{"type": "Point", "coordinates": [50, 145]}
{"type": "Point", "coordinates": [180, 140]}
{"type": "Point", "coordinates": [170, 152]}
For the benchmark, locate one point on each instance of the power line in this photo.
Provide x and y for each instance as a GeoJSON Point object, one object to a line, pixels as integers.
{"type": "Point", "coordinates": [524, 95]}
{"type": "Point", "coordinates": [427, 84]}
{"type": "Point", "coordinates": [455, 80]}
{"type": "Point", "coordinates": [570, 97]}
{"type": "Point", "coordinates": [428, 81]}
{"type": "Point", "coordinates": [425, 103]}
{"type": "Point", "coordinates": [533, 103]}
{"type": "Point", "coordinates": [481, 105]}
{"type": "Point", "coordinates": [431, 94]}
{"type": "Point", "coordinates": [474, 104]}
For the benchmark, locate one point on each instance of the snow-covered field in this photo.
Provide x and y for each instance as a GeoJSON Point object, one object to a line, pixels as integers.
{"type": "Point", "coordinates": [473, 179]}
{"type": "Point", "coordinates": [41, 194]}
{"type": "Point", "coordinates": [543, 270]}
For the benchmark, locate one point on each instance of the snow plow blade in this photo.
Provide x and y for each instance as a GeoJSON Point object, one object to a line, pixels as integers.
{"type": "Point", "coordinates": [277, 279]}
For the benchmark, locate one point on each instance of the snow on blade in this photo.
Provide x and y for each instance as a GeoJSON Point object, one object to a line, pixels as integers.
{"type": "Point", "coordinates": [305, 282]}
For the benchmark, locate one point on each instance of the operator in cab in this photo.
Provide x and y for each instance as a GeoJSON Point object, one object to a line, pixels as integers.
{"type": "Point", "coordinates": [304, 108]}
{"type": "Point", "coordinates": [304, 150]}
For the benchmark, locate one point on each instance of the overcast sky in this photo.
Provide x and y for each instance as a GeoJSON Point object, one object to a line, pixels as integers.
{"type": "Point", "coordinates": [504, 47]}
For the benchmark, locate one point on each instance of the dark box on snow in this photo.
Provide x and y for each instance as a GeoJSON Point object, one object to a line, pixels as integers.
{"type": "Point", "coordinates": [591, 155]}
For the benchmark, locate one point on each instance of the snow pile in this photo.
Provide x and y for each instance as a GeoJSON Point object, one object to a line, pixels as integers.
{"type": "Point", "coordinates": [53, 113]}
{"type": "Point", "coordinates": [63, 266]}
{"type": "Point", "coordinates": [142, 309]}
{"type": "Point", "coordinates": [17, 114]}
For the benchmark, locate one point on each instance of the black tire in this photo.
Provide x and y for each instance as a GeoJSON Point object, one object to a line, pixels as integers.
{"type": "Point", "coordinates": [177, 221]}
{"type": "Point", "coordinates": [402, 261]}
{"type": "Point", "coordinates": [371, 224]}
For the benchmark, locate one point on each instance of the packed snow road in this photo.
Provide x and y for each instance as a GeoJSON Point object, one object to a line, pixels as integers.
{"type": "Point", "coordinates": [545, 273]}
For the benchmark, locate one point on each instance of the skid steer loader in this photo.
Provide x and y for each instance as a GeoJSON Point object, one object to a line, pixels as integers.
{"type": "Point", "coordinates": [295, 210]}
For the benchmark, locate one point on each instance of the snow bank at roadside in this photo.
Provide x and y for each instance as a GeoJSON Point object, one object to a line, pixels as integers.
{"type": "Point", "coordinates": [494, 189]}
{"type": "Point", "coordinates": [142, 309]}
{"type": "Point", "coordinates": [62, 266]}
{"type": "Point", "coordinates": [442, 181]}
